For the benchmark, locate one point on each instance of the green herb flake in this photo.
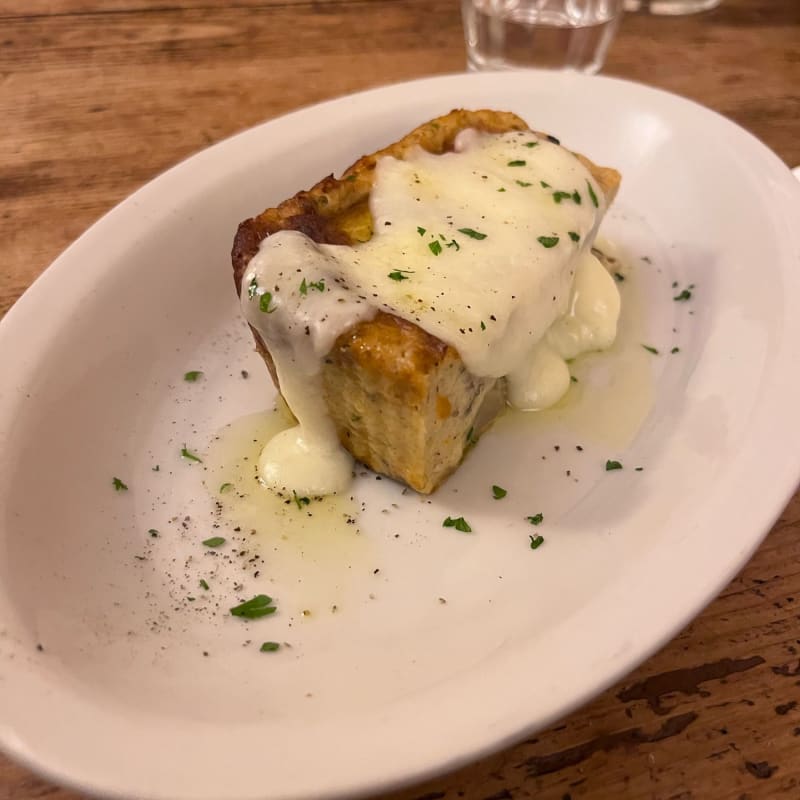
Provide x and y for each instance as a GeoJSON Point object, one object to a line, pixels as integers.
{"type": "Point", "coordinates": [192, 375]}
{"type": "Point", "coordinates": [189, 456]}
{"type": "Point", "coordinates": [473, 234]}
{"type": "Point", "coordinates": [573, 379]}
{"type": "Point", "coordinates": [420, 231]}
{"type": "Point", "coordinates": [204, 584]}
{"type": "Point", "coordinates": [153, 533]}
{"type": "Point", "coordinates": [523, 184]}
{"type": "Point", "coordinates": [225, 487]}
{"type": "Point", "coordinates": [574, 236]}
{"type": "Point", "coordinates": [675, 350]}
{"type": "Point", "coordinates": [517, 163]}
{"type": "Point", "coordinates": [483, 325]}
{"type": "Point", "coordinates": [576, 197]}
{"type": "Point", "coordinates": [454, 243]}
{"type": "Point", "coordinates": [269, 647]}
{"type": "Point", "coordinates": [559, 196]}
{"type": "Point", "coordinates": [258, 606]}
{"type": "Point", "coordinates": [214, 541]}
{"type": "Point", "coordinates": [501, 189]}
{"type": "Point", "coordinates": [459, 523]}
{"type": "Point", "coordinates": [471, 438]}
{"type": "Point", "coordinates": [303, 287]}
{"type": "Point", "coordinates": [544, 185]}
{"type": "Point", "coordinates": [536, 519]}
{"type": "Point", "coordinates": [612, 465]}
{"type": "Point", "coordinates": [531, 144]}
{"type": "Point", "coordinates": [619, 277]}
{"type": "Point", "coordinates": [592, 195]}
{"type": "Point", "coordinates": [536, 541]}
{"type": "Point", "coordinates": [498, 492]}
{"type": "Point", "coordinates": [684, 295]}
{"type": "Point", "coordinates": [401, 274]}
{"type": "Point", "coordinates": [300, 501]}
{"type": "Point", "coordinates": [650, 349]}
{"type": "Point", "coordinates": [119, 485]}
{"type": "Point", "coordinates": [264, 303]}
{"type": "Point", "coordinates": [318, 285]}
{"type": "Point", "coordinates": [547, 241]}
{"type": "Point", "coordinates": [435, 247]}
{"type": "Point", "coordinates": [252, 288]}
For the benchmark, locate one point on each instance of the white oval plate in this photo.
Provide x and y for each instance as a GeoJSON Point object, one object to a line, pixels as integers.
{"type": "Point", "coordinates": [397, 684]}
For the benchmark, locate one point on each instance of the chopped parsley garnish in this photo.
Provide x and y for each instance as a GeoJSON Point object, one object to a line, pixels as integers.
{"type": "Point", "coordinates": [483, 325]}
{"type": "Point", "coordinates": [473, 234]}
{"type": "Point", "coordinates": [459, 523]}
{"type": "Point", "coordinates": [684, 295]}
{"type": "Point", "coordinates": [536, 541]}
{"type": "Point", "coordinates": [454, 243]}
{"type": "Point", "coordinates": [536, 519]}
{"type": "Point", "coordinates": [650, 349]}
{"type": "Point", "coordinates": [544, 185]}
{"type": "Point", "coordinates": [547, 241]}
{"type": "Point", "coordinates": [592, 195]}
{"type": "Point", "coordinates": [192, 375]}
{"type": "Point", "coordinates": [119, 485]}
{"type": "Point", "coordinates": [189, 456]}
{"type": "Point", "coordinates": [153, 533]}
{"type": "Point", "coordinates": [300, 501]}
{"type": "Point", "coordinates": [269, 647]}
{"type": "Point", "coordinates": [498, 492]}
{"type": "Point", "coordinates": [559, 196]}
{"type": "Point", "coordinates": [501, 189]}
{"type": "Point", "coordinates": [523, 184]}
{"type": "Point", "coordinates": [435, 247]}
{"type": "Point", "coordinates": [204, 584]}
{"type": "Point", "coordinates": [258, 606]}
{"type": "Point", "coordinates": [264, 302]}
{"type": "Point", "coordinates": [252, 288]}
{"type": "Point", "coordinates": [471, 439]}
{"type": "Point", "coordinates": [226, 487]}
{"type": "Point", "coordinates": [531, 144]}
{"type": "Point", "coordinates": [675, 350]}
{"type": "Point", "coordinates": [214, 541]}
{"type": "Point", "coordinates": [401, 274]}
{"type": "Point", "coordinates": [619, 277]}
{"type": "Point", "coordinates": [420, 231]}
{"type": "Point", "coordinates": [576, 197]}
{"type": "Point", "coordinates": [303, 287]}
{"type": "Point", "coordinates": [573, 379]}
{"type": "Point", "coordinates": [318, 285]}
{"type": "Point", "coordinates": [574, 236]}
{"type": "Point", "coordinates": [516, 163]}
{"type": "Point", "coordinates": [612, 465]}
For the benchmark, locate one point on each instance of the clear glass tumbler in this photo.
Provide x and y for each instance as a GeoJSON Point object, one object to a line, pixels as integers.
{"type": "Point", "coordinates": [554, 34]}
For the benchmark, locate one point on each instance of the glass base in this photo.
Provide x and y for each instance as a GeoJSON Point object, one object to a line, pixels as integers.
{"type": "Point", "coordinates": [671, 7]}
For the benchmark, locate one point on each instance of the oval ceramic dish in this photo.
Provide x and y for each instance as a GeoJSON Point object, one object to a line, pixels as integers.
{"type": "Point", "coordinates": [406, 648]}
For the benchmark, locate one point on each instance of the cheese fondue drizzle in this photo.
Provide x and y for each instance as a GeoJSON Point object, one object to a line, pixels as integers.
{"type": "Point", "coordinates": [487, 248]}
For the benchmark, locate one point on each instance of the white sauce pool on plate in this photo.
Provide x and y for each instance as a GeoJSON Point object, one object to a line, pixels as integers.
{"type": "Point", "coordinates": [488, 248]}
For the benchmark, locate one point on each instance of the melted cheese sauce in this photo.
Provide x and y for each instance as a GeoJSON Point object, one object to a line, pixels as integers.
{"type": "Point", "coordinates": [488, 248]}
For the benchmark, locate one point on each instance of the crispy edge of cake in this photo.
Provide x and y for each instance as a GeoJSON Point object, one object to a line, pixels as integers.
{"type": "Point", "coordinates": [403, 401]}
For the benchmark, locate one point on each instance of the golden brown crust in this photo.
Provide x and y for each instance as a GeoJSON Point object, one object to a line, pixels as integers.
{"type": "Point", "coordinates": [401, 399]}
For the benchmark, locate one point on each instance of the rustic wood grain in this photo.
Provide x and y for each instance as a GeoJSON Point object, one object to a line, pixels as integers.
{"type": "Point", "coordinates": [98, 97]}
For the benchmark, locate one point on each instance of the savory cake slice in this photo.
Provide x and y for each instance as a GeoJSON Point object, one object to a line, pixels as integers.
{"type": "Point", "coordinates": [400, 398]}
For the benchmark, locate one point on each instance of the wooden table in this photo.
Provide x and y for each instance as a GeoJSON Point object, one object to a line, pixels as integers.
{"type": "Point", "coordinates": [98, 96]}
